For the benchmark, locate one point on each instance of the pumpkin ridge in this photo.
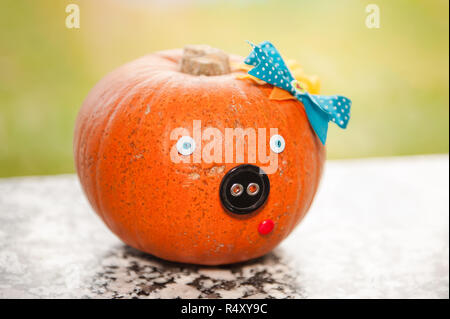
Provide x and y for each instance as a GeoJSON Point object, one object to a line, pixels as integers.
{"type": "Point", "coordinates": [106, 124]}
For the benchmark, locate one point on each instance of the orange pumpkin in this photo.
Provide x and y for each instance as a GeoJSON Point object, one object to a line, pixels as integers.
{"type": "Point", "coordinates": [123, 145]}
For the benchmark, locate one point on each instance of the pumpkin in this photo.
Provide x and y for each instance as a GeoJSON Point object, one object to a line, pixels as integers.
{"type": "Point", "coordinates": [177, 210]}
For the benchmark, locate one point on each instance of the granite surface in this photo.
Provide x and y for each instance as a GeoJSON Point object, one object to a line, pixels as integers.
{"type": "Point", "coordinates": [379, 228]}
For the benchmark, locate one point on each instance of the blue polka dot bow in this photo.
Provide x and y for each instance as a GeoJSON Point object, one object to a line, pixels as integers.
{"type": "Point", "coordinates": [320, 109]}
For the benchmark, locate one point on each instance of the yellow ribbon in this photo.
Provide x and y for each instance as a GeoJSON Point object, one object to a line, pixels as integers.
{"type": "Point", "coordinates": [310, 83]}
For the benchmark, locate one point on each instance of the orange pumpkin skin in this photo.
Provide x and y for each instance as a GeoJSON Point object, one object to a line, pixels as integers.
{"type": "Point", "coordinates": [172, 210]}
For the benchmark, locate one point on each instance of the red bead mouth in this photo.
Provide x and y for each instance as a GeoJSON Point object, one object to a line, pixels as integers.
{"type": "Point", "coordinates": [266, 226]}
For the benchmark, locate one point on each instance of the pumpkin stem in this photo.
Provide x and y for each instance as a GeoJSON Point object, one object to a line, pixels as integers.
{"type": "Point", "coordinates": [202, 59]}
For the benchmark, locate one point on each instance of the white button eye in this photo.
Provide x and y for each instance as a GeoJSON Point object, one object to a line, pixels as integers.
{"type": "Point", "coordinates": [186, 145]}
{"type": "Point", "coordinates": [277, 143]}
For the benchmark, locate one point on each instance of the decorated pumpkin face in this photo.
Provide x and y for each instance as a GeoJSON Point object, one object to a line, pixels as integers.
{"type": "Point", "coordinates": [152, 150]}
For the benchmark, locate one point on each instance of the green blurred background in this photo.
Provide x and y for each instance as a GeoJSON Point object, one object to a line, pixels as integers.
{"type": "Point", "coordinates": [397, 75]}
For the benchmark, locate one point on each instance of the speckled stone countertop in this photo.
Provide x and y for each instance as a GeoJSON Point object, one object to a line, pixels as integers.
{"type": "Point", "coordinates": [379, 228]}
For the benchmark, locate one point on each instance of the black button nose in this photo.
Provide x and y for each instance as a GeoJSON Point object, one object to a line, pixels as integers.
{"type": "Point", "coordinates": [244, 189]}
